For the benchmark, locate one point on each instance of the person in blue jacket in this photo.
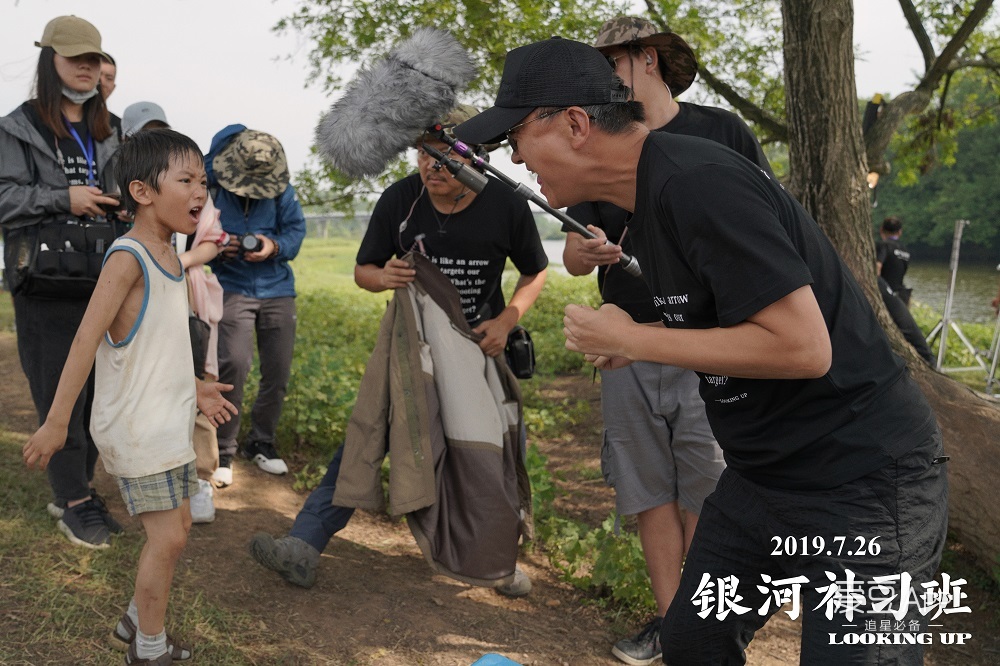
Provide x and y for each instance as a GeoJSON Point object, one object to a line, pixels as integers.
{"type": "Point", "coordinates": [249, 182]}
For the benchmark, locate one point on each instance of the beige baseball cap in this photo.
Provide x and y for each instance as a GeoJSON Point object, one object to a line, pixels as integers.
{"type": "Point", "coordinates": [71, 36]}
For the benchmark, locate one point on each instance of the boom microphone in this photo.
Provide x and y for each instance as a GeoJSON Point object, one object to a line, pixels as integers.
{"type": "Point", "coordinates": [385, 108]}
{"type": "Point", "coordinates": [476, 182]}
{"type": "Point", "coordinates": [629, 263]}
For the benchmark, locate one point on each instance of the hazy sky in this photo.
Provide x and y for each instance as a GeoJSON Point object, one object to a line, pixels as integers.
{"type": "Point", "coordinates": [210, 63]}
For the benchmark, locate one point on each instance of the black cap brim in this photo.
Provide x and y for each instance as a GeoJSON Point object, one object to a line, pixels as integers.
{"type": "Point", "coordinates": [491, 125]}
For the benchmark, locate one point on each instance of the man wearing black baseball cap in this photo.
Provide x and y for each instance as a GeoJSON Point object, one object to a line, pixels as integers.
{"type": "Point", "coordinates": [796, 373]}
{"type": "Point", "coordinates": [551, 73]}
{"type": "Point", "coordinates": [659, 452]}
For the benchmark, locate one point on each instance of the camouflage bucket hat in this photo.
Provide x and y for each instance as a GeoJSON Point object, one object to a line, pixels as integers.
{"type": "Point", "coordinates": [679, 65]}
{"type": "Point", "coordinates": [252, 165]}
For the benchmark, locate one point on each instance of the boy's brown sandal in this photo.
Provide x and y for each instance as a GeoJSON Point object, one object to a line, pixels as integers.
{"type": "Point", "coordinates": [177, 651]}
{"type": "Point", "coordinates": [132, 659]}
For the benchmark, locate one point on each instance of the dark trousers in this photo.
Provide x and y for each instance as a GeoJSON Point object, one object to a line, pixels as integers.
{"type": "Point", "coordinates": [273, 320]}
{"type": "Point", "coordinates": [319, 519]}
{"type": "Point", "coordinates": [900, 313]}
{"type": "Point", "coordinates": [903, 504]}
{"type": "Point", "coordinates": [45, 332]}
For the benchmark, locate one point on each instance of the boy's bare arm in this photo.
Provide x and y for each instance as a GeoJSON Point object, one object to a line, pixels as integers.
{"type": "Point", "coordinates": [199, 255]}
{"type": "Point", "coordinates": [119, 276]}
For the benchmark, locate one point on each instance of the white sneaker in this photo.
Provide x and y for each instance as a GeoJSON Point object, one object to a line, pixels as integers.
{"type": "Point", "coordinates": [271, 465]}
{"type": "Point", "coordinates": [223, 474]}
{"type": "Point", "coordinates": [266, 457]}
{"type": "Point", "coordinates": [202, 506]}
{"type": "Point", "coordinates": [519, 587]}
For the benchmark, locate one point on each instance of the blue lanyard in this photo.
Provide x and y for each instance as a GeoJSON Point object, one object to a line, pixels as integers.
{"type": "Point", "coordinates": [87, 154]}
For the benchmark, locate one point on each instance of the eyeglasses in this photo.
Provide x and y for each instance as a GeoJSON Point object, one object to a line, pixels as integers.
{"type": "Point", "coordinates": [512, 142]}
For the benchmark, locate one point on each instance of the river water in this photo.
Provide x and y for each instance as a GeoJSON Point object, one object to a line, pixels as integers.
{"type": "Point", "coordinates": [975, 286]}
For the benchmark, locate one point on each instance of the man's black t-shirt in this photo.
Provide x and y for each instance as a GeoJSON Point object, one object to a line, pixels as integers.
{"type": "Point", "coordinates": [718, 241]}
{"type": "Point", "coordinates": [894, 259]}
{"type": "Point", "coordinates": [470, 246]}
{"type": "Point", "coordinates": [618, 287]}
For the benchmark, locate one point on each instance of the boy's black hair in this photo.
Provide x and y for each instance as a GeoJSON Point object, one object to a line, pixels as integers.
{"type": "Point", "coordinates": [146, 157]}
{"type": "Point", "coordinates": [892, 225]}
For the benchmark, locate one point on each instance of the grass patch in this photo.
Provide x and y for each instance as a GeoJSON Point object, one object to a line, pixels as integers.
{"type": "Point", "coordinates": [601, 560]}
{"type": "Point", "coordinates": [6, 311]}
{"type": "Point", "coordinates": [324, 263]}
{"type": "Point", "coordinates": [61, 602]}
{"type": "Point", "coordinates": [957, 355]}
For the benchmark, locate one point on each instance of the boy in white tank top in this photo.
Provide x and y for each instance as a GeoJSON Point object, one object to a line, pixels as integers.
{"type": "Point", "coordinates": [135, 334]}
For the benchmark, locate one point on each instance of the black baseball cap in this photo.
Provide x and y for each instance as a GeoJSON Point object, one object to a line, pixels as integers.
{"type": "Point", "coordinates": [553, 72]}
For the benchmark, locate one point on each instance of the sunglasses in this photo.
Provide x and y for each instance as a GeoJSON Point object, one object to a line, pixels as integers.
{"type": "Point", "coordinates": [512, 142]}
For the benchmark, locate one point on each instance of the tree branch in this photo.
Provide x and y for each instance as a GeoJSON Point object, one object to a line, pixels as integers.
{"type": "Point", "coordinates": [777, 131]}
{"type": "Point", "coordinates": [890, 118]}
{"type": "Point", "coordinates": [894, 112]}
{"type": "Point", "coordinates": [655, 15]}
{"type": "Point", "coordinates": [917, 28]}
{"type": "Point", "coordinates": [932, 78]}
{"type": "Point", "coordinates": [974, 63]}
{"type": "Point", "coordinates": [944, 99]}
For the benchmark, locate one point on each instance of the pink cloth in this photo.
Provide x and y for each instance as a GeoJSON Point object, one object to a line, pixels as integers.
{"type": "Point", "coordinates": [206, 292]}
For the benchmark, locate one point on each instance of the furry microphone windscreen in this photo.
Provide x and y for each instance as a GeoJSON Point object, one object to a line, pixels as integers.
{"type": "Point", "coordinates": [385, 108]}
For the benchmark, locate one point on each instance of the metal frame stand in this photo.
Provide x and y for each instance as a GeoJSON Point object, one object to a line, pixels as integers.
{"type": "Point", "coordinates": [946, 322]}
{"type": "Point", "coordinates": [994, 353]}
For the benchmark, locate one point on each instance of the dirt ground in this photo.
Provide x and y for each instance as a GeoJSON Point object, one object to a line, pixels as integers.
{"type": "Point", "coordinates": [376, 601]}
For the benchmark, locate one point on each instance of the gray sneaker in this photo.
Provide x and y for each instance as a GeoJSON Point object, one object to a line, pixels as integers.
{"type": "Point", "coordinates": [643, 648]}
{"type": "Point", "coordinates": [84, 525]}
{"type": "Point", "coordinates": [57, 508]}
{"type": "Point", "coordinates": [519, 587]}
{"type": "Point", "coordinates": [290, 556]}
{"type": "Point", "coordinates": [114, 527]}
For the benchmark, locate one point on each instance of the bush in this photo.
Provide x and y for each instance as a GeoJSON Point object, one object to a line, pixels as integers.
{"type": "Point", "coordinates": [545, 319]}
{"type": "Point", "coordinates": [604, 559]}
{"type": "Point", "coordinates": [335, 334]}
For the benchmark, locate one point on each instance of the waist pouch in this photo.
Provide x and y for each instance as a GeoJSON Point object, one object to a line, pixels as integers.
{"type": "Point", "coordinates": [57, 260]}
{"type": "Point", "coordinates": [520, 353]}
{"type": "Point", "coordinates": [200, 333]}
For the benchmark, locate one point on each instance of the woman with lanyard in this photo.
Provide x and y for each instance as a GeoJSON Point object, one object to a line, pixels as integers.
{"type": "Point", "coordinates": [53, 152]}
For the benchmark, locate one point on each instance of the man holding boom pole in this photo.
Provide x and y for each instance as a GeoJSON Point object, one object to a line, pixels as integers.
{"type": "Point", "coordinates": [835, 488]}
